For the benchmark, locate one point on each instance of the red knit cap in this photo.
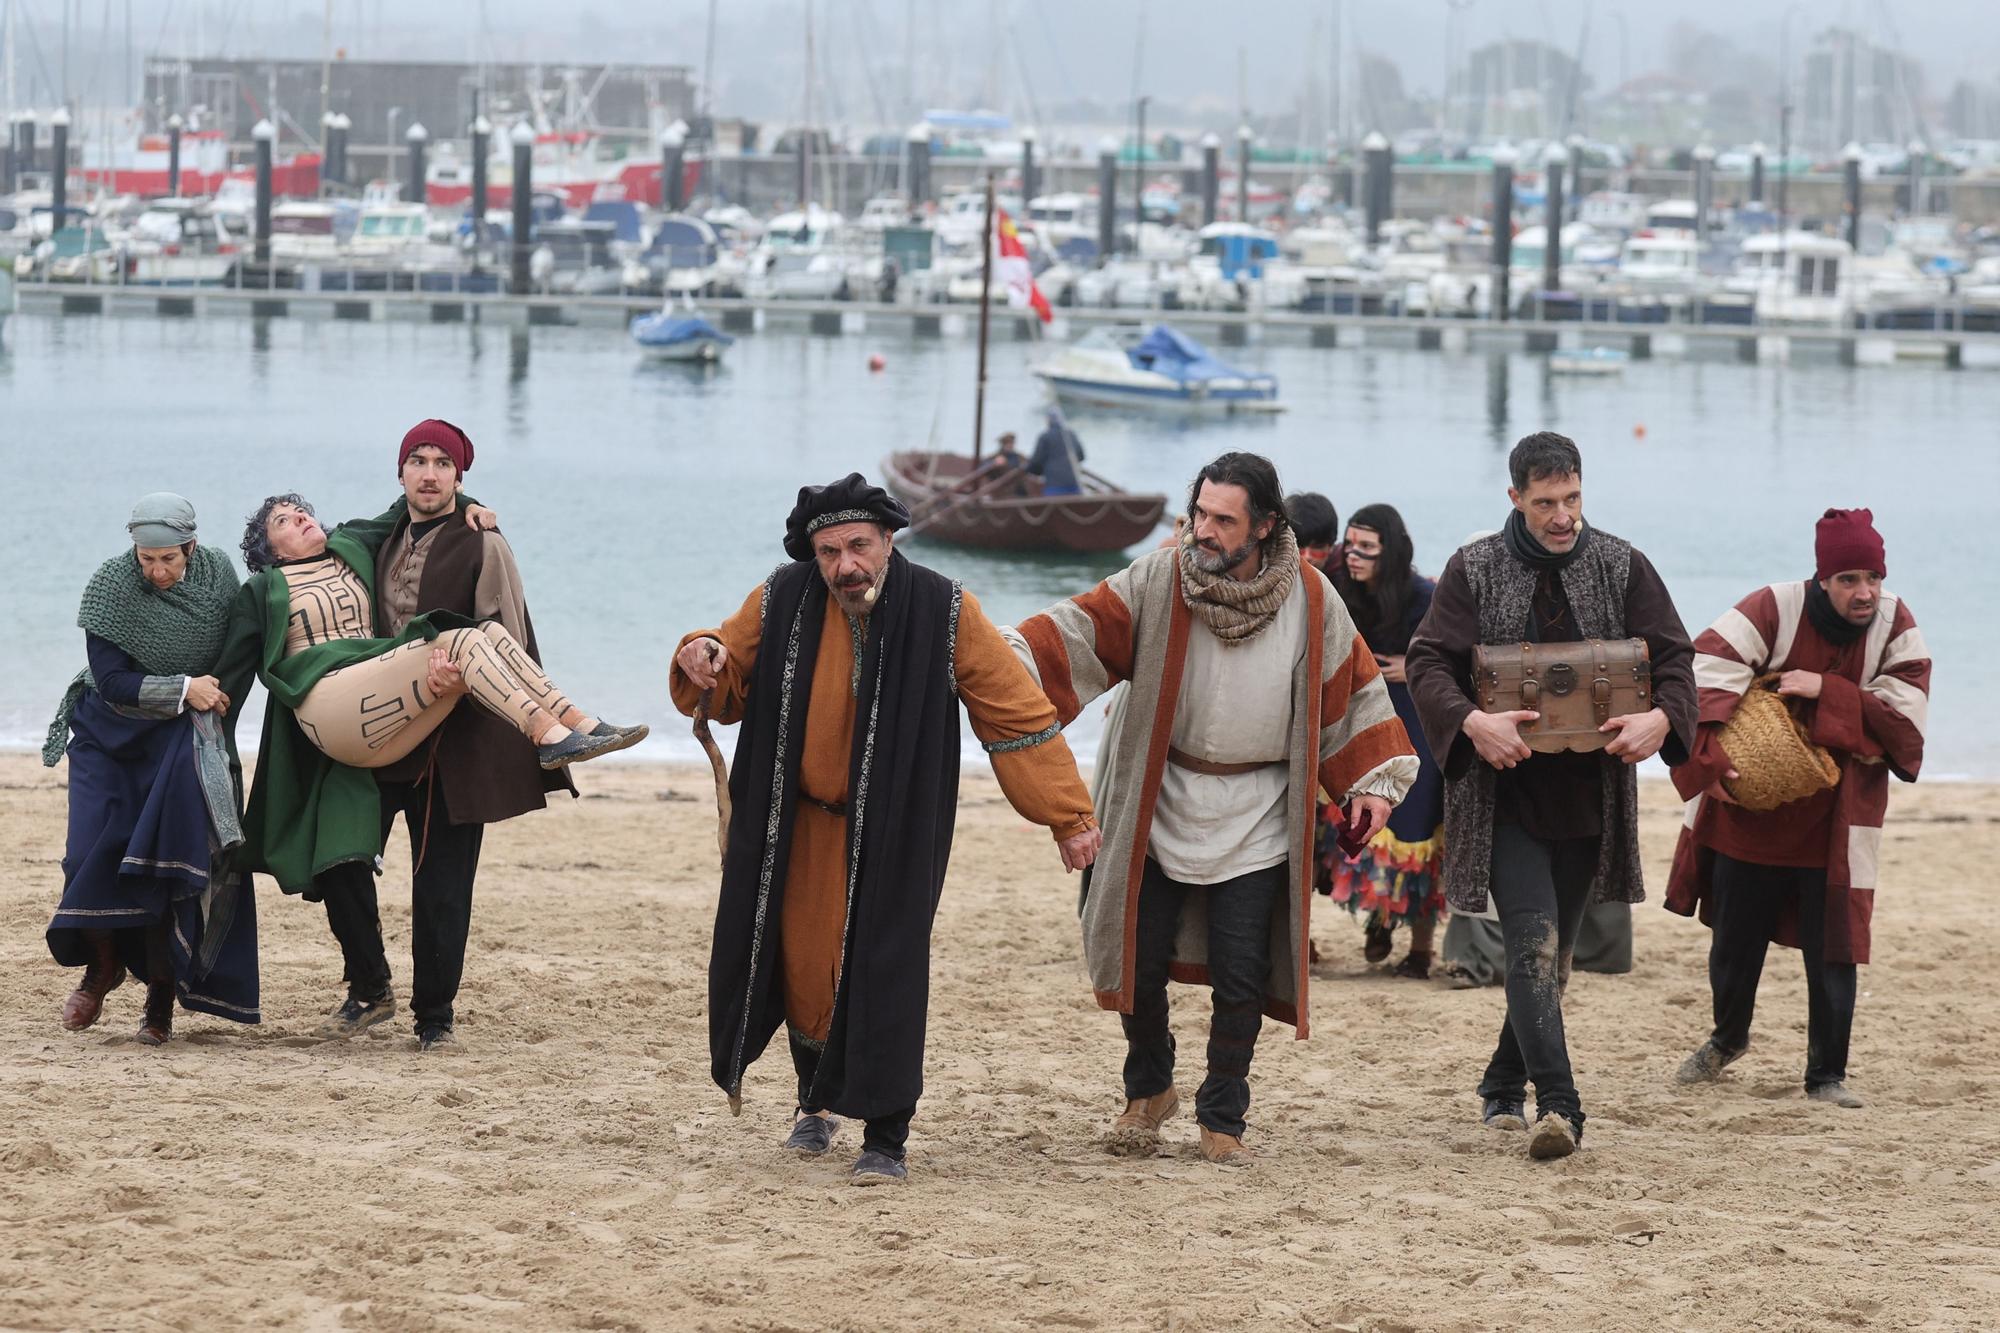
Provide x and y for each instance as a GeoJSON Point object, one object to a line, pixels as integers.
{"type": "Point", "coordinates": [456, 444]}
{"type": "Point", "coordinates": [1846, 539]}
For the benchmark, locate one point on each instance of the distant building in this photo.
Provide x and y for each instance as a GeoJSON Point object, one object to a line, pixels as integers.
{"type": "Point", "coordinates": [1857, 92]}
{"type": "Point", "coordinates": [1973, 110]}
{"type": "Point", "coordinates": [383, 98]}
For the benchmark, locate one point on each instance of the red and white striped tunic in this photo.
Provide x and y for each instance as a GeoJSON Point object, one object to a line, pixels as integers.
{"type": "Point", "coordinates": [1873, 707]}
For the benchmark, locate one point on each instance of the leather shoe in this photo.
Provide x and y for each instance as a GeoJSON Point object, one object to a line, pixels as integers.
{"type": "Point", "coordinates": [157, 1027]}
{"type": "Point", "coordinates": [357, 1015]}
{"type": "Point", "coordinates": [1137, 1130]}
{"type": "Point", "coordinates": [1554, 1136]}
{"type": "Point", "coordinates": [1837, 1094]}
{"type": "Point", "coordinates": [877, 1168]}
{"type": "Point", "coordinates": [1705, 1065]}
{"type": "Point", "coordinates": [1503, 1113]}
{"type": "Point", "coordinates": [812, 1135]}
{"type": "Point", "coordinates": [1224, 1149]}
{"type": "Point", "coordinates": [102, 975]}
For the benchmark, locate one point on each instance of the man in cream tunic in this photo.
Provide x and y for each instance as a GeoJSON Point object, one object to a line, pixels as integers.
{"type": "Point", "coordinates": [1250, 691]}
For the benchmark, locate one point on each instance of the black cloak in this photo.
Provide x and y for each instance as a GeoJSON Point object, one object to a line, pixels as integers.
{"type": "Point", "coordinates": [902, 802]}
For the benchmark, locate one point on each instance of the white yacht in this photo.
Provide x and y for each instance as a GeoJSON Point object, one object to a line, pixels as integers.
{"type": "Point", "coordinates": [1799, 277]}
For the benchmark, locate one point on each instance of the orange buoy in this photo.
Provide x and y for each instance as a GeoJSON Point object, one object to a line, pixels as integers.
{"type": "Point", "coordinates": [876, 361]}
{"type": "Point", "coordinates": [1639, 431]}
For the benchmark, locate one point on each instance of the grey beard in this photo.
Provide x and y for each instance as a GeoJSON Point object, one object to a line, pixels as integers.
{"type": "Point", "coordinates": [1208, 562]}
{"type": "Point", "coordinates": [856, 602]}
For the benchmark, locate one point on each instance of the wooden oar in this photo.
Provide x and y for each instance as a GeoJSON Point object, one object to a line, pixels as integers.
{"type": "Point", "coordinates": [931, 517]}
{"type": "Point", "coordinates": [934, 497]}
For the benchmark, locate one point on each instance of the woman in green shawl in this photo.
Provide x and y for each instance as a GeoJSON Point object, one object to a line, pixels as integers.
{"type": "Point", "coordinates": [150, 883]}
{"type": "Point", "coordinates": [344, 701]}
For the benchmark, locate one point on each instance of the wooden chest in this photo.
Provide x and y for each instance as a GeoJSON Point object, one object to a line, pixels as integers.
{"type": "Point", "coordinates": [1576, 687]}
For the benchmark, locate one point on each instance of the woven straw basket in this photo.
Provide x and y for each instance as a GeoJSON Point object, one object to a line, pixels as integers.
{"type": "Point", "coordinates": [1776, 761]}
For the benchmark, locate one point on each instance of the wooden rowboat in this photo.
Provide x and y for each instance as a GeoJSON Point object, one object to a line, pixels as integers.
{"type": "Point", "coordinates": [953, 499]}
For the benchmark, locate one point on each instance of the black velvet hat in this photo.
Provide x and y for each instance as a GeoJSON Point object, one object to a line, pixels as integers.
{"type": "Point", "coordinates": [850, 500]}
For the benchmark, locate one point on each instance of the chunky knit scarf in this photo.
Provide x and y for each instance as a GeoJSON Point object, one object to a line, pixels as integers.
{"type": "Point", "coordinates": [1236, 612]}
{"type": "Point", "coordinates": [178, 632]}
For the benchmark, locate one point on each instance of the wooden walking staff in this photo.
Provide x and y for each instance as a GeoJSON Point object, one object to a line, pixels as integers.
{"type": "Point", "coordinates": [707, 739]}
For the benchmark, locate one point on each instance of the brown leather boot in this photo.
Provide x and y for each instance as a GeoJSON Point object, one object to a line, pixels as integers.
{"type": "Point", "coordinates": [1138, 1129]}
{"type": "Point", "coordinates": [157, 1027]}
{"type": "Point", "coordinates": [102, 975]}
{"type": "Point", "coordinates": [1224, 1149]}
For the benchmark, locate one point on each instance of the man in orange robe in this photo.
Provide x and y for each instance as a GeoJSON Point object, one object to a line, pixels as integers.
{"type": "Point", "coordinates": [846, 669]}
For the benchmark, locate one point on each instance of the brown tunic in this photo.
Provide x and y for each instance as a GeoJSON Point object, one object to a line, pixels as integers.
{"type": "Point", "coordinates": [1040, 781]}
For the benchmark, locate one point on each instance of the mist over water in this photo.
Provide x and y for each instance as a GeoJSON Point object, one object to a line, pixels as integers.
{"type": "Point", "coordinates": [647, 500]}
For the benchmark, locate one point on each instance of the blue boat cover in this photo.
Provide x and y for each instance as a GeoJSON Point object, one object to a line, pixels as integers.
{"type": "Point", "coordinates": [664, 330]}
{"type": "Point", "coordinates": [1167, 351]}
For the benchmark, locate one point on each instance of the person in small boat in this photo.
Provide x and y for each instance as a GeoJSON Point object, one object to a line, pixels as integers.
{"type": "Point", "coordinates": [149, 882]}
{"type": "Point", "coordinates": [1008, 458]}
{"type": "Point", "coordinates": [345, 702]}
{"type": "Point", "coordinates": [1057, 455]}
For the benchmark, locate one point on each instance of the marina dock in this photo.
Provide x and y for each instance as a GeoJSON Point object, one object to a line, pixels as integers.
{"type": "Point", "coordinates": [1959, 338]}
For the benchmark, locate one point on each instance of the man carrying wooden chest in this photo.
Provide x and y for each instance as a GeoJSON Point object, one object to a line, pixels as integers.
{"type": "Point", "coordinates": [1548, 833]}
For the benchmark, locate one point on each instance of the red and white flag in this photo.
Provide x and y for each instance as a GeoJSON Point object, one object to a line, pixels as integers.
{"type": "Point", "coordinates": [1016, 271]}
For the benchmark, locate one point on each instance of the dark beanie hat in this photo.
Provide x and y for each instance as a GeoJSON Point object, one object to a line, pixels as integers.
{"type": "Point", "coordinates": [456, 444]}
{"type": "Point", "coordinates": [1846, 539]}
{"type": "Point", "coordinates": [850, 500]}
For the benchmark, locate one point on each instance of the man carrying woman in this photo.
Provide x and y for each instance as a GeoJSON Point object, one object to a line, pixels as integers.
{"type": "Point", "coordinates": [152, 880]}
{"type": "Point", "coordinates": [345, 702]}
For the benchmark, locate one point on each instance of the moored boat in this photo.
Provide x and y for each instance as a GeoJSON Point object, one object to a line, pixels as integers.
{"type": "Point", "coordinates": [1589, 361]}
{"type": "Point", "coordinates": [667, 336]}
{"type": "Point", "coordinates": [951, 498]}
{"type": "Point", "coordinates": [1160, 369]}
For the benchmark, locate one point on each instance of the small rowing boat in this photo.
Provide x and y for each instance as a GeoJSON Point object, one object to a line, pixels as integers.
{"type": "Point", "coordinates": [995, 505]}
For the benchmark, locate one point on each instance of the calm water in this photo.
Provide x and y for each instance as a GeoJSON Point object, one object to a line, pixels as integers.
{"type": "Point", "coordinates": [645, 500]}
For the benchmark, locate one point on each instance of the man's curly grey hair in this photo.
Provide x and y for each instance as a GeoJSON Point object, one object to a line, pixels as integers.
{"type": "Point", "coordinates": [257, 552]}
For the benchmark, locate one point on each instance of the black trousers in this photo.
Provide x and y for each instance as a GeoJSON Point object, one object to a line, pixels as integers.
{"type": "Point", "coordinates": [1239, 960]}
{"type": "Point", "coordinates": [884, 1134]}
{"type": "Point", "coordinates": [446, 857]}
{"type": "Point", "coordinates": [1745, 902]}
{"type": "Point", "coordinates": [354, 916]}
{"type": "Point", "coordinates": [1540, 887]}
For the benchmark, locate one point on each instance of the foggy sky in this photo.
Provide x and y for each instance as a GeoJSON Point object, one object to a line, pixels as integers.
{"type": "Point", "coordinates": [1186, 51]}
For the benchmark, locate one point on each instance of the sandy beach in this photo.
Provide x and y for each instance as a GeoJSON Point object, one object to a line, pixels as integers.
{"type": "Point", "coordinates": [571, 1165]}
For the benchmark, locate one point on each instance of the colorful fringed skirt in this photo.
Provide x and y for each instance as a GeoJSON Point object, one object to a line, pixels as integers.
{"type": "Point", "coordinates": [1398, 876]}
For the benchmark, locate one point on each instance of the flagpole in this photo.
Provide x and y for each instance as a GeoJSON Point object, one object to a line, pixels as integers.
{"type": "Point", "coordinates": [985, 316]}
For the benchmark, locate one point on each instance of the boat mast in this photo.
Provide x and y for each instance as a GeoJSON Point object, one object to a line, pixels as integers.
{"type": "Point", "coordinates": [985, 318]}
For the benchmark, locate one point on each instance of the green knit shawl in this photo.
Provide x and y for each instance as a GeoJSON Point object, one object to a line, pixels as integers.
{"type": "Point", "coordinates": [178, 632]}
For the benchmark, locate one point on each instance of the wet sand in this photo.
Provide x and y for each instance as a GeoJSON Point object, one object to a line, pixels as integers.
{"type": "Point", "coordinates": [571, 1165]}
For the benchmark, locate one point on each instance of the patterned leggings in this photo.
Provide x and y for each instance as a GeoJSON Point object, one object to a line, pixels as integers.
{"type": "Point", "coordinates": [372, 713]}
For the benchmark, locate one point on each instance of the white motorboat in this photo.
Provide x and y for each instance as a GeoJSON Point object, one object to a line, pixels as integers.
{"type": "Point", "coordinates": [1798, 277]}
{"type": "Point", "coordinates": [797, 260]}
{"type": "Point", "coordinates": [1589, 361]}
{"type": "Point", "coordinates": [1156, 369]}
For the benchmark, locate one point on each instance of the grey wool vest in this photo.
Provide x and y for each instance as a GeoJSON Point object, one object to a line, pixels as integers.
{"type": "Point", "coordinates": [1504, 589]}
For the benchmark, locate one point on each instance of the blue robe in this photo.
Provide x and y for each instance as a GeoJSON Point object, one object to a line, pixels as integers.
{"type": "Point", "coordinates": [141, 849]}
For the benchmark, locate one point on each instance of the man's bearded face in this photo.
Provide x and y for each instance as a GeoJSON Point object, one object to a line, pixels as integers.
{"type": "Point", "coordinates": [853, 558]}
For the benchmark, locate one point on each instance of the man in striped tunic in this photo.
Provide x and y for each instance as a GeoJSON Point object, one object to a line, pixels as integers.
{"type": "Point", "coordinates": [1849, 655]}
{"type": "Point", "coordinates": [1250, 691]}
